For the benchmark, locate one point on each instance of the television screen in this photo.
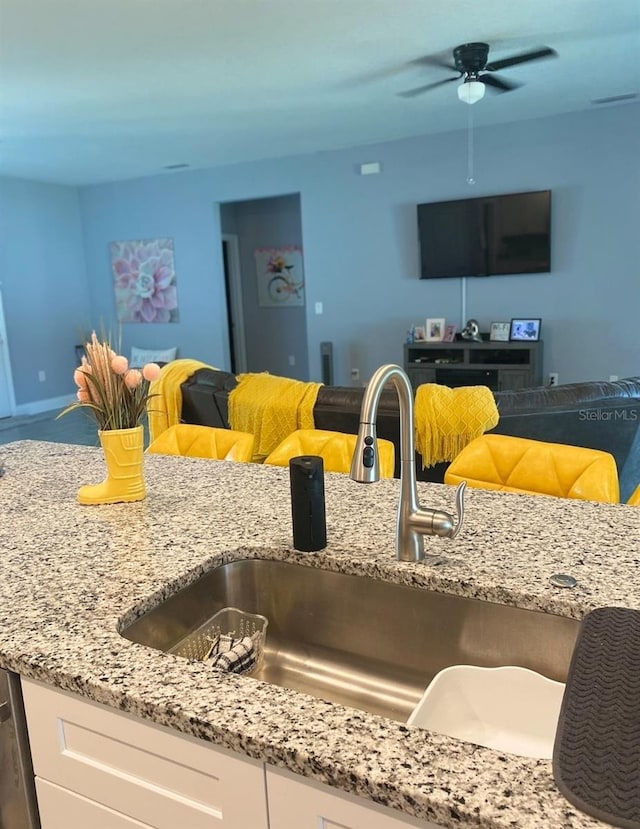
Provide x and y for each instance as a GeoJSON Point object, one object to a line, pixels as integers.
{"type": "Point", "coordinates": [486, 236]}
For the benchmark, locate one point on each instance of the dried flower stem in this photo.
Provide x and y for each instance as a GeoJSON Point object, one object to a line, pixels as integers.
{"type": "Point", "coordinates": [117, 399]}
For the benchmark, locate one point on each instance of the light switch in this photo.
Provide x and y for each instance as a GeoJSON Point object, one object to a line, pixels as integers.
{"type": "Point", "coordinates": [319, 308]}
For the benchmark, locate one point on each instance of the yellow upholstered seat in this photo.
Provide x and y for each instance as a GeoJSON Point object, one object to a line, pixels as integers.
{"type": "Point", "coordinates": [530, 466]}
{"type": "Point", "coordinates": [203, 442]}
{"type": "Point", "coordinates": [335, 448]}
{"type": "Point", "coordinates": [635, 498]}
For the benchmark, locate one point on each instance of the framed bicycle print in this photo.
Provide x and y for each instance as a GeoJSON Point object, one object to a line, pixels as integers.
{"type": "Point", "coordinates": [280, 277]}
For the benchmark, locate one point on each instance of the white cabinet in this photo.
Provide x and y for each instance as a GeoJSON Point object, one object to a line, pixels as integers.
{"type": "Point", "coordinates": [295, 801]}
{"type": "Point", "coordinates": [149, 774]}
{"type": "Point", "coordinates": [62, 809]}
{"type": "Point", "coordinates": [102, 768]}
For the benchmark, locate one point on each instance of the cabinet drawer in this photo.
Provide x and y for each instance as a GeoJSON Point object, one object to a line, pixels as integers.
{"type": "Point", "coordinates": [294, 801]}
{"type": "Point", "coordinates": [165, 779]}
{"type": "Point", "coordinates": [60, 809]}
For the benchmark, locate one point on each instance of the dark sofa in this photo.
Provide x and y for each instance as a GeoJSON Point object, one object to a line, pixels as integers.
{"type": "Point", "coordinates": [599, 415]}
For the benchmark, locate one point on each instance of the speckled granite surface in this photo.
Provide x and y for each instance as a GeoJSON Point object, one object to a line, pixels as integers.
{"type": "Point", "coordinates": [71, 574]}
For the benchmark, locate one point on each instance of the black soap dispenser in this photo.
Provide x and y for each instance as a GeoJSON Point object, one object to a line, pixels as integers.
{"type": "Point", "coordinates": [306, 474]}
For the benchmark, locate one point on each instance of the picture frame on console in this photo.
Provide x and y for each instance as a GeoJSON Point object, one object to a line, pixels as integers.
{"type": "Point", "coordinates": [527, 330]}
{"type": "Point", "coordinates": [435, 330]}
{"type": "Point", "coordinates": [449, 334]}
{"type": "Point", "coordinates": [418, 333]}
{"type": "Point", "coordinates": [499, 332]}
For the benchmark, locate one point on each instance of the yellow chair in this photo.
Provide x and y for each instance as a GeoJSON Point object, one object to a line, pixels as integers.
{"type": "Point", "coordinates": [335, 448]}
{"type": "Point", "coordinates": [203, 442]}
{"type": "Point", "coordinates": [533, 467]}
{"type": "Point", "coordinates": [635, 498]}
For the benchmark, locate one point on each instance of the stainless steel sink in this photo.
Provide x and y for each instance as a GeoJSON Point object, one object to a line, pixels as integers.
{"type": "Point", "coordinates": [365, 643]}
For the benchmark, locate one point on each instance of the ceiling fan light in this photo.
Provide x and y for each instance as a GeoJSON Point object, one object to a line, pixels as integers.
{"type": "Point", "coordinates": [470, 92]}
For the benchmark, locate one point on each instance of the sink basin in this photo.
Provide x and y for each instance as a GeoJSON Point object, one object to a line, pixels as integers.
{"type": "Point", "coordinates": [354, 640]}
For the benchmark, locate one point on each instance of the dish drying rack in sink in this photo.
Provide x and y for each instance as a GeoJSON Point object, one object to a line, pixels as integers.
{"type": "Point", "coordinates": [229, 621]}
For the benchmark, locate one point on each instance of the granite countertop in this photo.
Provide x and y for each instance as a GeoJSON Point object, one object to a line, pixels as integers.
{"type": "Point", "coordinates": [72, 574]}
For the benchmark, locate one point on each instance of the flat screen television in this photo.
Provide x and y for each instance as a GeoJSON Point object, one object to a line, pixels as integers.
{"type": "Point", "coordinates": [487, 236]}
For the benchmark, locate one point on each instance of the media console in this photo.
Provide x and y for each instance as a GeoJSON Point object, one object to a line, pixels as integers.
{"type": "Point", "coordinates": [500, 366]}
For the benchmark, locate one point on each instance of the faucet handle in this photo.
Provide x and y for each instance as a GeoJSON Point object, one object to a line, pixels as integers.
{"type": "Point", "coordinates": [438, 522]}
{"type": "Point", "coordinates": [459, 508]}
{"type": "Point", "coordinates": [442, 523]}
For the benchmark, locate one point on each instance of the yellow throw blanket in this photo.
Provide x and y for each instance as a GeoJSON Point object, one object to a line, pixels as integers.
{"type": "Point", "coordinates": [271, 407]}
{"type": "Point", "coordinates": [447, 419]}
{"type": "Point", "coordinates": [165, 398]}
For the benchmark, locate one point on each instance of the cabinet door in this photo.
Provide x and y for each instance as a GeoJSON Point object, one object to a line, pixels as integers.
{"type": "Point", "coordinates": [164, 778]}
{"type": "Point", "coordinates": [294, 801]}
{"type": "Point", "coordinates": [514, 380]}
{"type": "Point", "coordinates": [61, 809]}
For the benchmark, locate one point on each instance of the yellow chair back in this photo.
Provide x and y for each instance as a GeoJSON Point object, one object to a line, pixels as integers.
{"type": "Point", "coordinates": [335, 448]}
{"type": "Point", "coordinates": [203, 442]}
{"type": "Point", "coordinates": [512, 464]}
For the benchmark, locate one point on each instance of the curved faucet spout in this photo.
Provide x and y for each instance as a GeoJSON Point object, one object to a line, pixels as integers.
{"type": "Point", "coordinates": [414, 522]}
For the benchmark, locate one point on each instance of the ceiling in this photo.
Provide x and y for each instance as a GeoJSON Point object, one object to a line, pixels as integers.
{"type": "Point", "coordinates": [102, 90]}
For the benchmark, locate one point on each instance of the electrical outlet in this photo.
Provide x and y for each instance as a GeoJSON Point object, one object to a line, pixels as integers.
{"type": "Point", "coordinates": [42, 376]}
{"type": "Point", "coordinates": [613, 377]}
{"type": "Point", "coordinates": [355, 375]}
{"type": "Point", "coordinates": [292, 360]}
{"type": "Point", "coordinates": [553, 379]}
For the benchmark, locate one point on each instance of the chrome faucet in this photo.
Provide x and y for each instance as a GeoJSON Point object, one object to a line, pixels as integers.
{"type": "Point", "coordinates": [414, 521]}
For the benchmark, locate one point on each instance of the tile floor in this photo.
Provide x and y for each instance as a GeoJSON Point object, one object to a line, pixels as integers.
{"type": "Point", "coordinates": [75, 427]}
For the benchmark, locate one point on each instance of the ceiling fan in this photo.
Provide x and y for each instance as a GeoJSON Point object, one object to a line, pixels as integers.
{"type": "Point", "coordinates": [470, 61]}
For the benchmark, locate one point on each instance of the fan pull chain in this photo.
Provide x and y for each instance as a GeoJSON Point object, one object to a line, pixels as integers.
{"type": "Point", "coordinates": [470, 179]}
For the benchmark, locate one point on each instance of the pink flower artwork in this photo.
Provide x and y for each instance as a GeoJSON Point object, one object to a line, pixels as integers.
{"type": "Point", "coordinates": [145, 280]}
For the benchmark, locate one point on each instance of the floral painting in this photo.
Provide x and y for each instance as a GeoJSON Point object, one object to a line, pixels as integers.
{"type": "Point", "coordinates": [280, 278]}
{"type": "Point", "coordinates": [145, 280]}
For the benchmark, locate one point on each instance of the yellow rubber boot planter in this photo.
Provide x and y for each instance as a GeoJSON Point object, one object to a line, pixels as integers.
{"type": "Point", "coordinates": [124, 454]}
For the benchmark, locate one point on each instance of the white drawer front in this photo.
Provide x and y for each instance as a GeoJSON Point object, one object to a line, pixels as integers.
{"type": "Point", "coordinates": [164, 778]}
{"type": "Point", "coordinates": [62, 809]}
{"type": "Point", "coordinates": [304, 804]}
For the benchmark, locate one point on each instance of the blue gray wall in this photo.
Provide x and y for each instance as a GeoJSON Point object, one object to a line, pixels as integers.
{"type": "Point", "coordinates": [183, 210]}
{"type": "Point", "coordinates": [360, 249]}
{"type": "Point", "coordinates": [44, 286]}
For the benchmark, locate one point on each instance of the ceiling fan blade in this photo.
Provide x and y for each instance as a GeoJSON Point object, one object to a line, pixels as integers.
{"type": "Point", "coordinates": [498, 83]}
{"type": "Point", "coordinates": [433, 60]}
{"type": "Point", "coordinates": [411, 93]}
{"type": "Point", "coordinates": [392, 71]}
{"type": "Point", "coordinates": [545, 52]}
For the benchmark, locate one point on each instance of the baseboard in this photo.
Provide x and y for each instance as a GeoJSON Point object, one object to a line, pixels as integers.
{"type": "Point", "coordinates": [38, 406]}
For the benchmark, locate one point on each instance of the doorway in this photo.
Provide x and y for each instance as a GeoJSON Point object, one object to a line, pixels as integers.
{"type": "Point", "coordinates": [273, 334]}
{"type": "Point", "coordinates": [7, 401]}
{"type": "Point", "coordinates": [233, 293]}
